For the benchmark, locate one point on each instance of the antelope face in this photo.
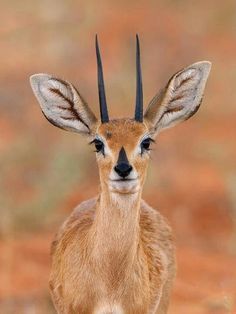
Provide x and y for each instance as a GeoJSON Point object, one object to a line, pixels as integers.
{"type": "Point", "coordinates": [122, 145]}
{"type": "Point", "coordinates": [122, 154]}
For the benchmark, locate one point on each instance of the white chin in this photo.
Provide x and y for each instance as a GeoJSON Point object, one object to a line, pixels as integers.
{"type": "Point", "coordinates": [124, 186]}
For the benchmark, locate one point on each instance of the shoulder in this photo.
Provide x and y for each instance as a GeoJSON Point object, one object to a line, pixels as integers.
{"type": "Point", "coordinates": [83, 209]}
{"type": "Point", "coordinates": [152, 217]}
{"type": "Point", "coordinates": [84, 212]}
{"type": "Point", "coordinates": [156, 231]}
{"type": "Point", "coordinates": [80, 219]}
{"type": "Point", "coordinates": [158, 246]}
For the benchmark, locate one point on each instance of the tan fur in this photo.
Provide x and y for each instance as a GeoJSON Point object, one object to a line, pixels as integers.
{"type": "Point", "coordinates": [114, 254]}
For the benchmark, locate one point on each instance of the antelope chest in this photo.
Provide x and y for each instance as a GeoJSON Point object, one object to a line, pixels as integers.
{"type": "Point", "coordinates": [108, 308]}
{"type": "Point", "coordinates": [112, 281]}
{"type": "Point", "coordinates": [96, 289]}
{"type": "Point", "coordinates": [121, 292]}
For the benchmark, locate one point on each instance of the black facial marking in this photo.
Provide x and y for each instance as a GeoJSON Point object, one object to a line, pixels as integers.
{"type": "Point", "coordinates": [123, 168]}
{"type": "Point", "coordinates": [122, 157]}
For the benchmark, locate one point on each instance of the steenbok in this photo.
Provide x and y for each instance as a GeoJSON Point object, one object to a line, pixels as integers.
{"type": "Point", "coordinates": [115, 253]}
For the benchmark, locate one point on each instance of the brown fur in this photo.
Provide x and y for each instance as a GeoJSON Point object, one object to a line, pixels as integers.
{"type": "Point", "coordinates": [114, 254]}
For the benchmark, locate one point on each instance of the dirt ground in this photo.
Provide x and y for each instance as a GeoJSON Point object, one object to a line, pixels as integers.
{"type": "Point", "coordinates": [45, 172]}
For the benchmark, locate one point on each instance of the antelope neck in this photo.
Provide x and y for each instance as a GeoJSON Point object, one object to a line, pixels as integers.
{"type": "Point", "coordinates": [116, 226]}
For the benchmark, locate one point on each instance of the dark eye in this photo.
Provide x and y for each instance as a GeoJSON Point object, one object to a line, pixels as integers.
{"type": "Point", "coordinates": [145, 145]}
{"type": "Point", "coordinates": [98, 145]}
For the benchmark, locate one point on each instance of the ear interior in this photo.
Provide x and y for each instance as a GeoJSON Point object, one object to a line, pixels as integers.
{"type": "Point", "coordinates": [180, 99]}
{"type": "Point", "coordinates": [61, 104]}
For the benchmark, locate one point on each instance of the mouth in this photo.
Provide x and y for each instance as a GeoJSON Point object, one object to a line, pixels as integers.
{"type": "Point", "coordinates": [124, 185]}
{"type": "Point", "coordinates": [123, 180]}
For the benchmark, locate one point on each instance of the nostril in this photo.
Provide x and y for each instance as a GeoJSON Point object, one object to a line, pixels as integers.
{"type": "Point", "coordinates": [129, 169]}
{"type": "Point", "coordinates": [123, 169]}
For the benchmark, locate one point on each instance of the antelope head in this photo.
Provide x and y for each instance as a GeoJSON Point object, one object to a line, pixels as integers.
{"type": "Point", "coordinates": [122, 145]}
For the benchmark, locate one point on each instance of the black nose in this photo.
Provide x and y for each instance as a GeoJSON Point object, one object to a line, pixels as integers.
{"type": "Point", "coordinates": [123, 169]}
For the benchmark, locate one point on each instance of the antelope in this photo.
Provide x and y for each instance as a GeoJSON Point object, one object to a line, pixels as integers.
{"type": "Point", "coordinates": [116, 254]}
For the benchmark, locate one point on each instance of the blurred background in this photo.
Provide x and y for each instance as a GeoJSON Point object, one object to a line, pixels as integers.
{"type": "Point", "coordinates": [45, 172]}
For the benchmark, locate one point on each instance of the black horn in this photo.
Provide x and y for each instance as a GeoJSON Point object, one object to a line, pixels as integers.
{"type": "Point", "coordinates": [139, 88]}
{"type": "Point", "coordinates": [101, 87]}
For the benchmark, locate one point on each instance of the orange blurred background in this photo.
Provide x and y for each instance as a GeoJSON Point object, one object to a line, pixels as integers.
{"type": "Point", "coordinates": [45, 172]}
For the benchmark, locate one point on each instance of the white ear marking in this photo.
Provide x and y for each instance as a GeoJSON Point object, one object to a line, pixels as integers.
{"type": "Point", "coordinates": [180, 99]}
{"type": "Point", "coordinates": [61, 104]}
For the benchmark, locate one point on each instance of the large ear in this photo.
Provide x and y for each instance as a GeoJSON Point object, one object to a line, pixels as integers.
{"type": "Point", "coordinates": [180, 99]}
{"type": "Point", "coordinates": [62, 105]}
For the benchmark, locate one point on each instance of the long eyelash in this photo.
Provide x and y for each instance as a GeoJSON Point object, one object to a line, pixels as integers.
{"type": "Point", "coordinates": [148, 149]}
{"type": "Point", "coordinates": [150, 139]}
{"type": "Point", "coordinates": [93, 141]}
{"type": "Point", "coordinates": [96, 151]}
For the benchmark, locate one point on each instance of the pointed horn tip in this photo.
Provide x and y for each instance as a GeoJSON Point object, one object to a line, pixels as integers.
{"type": "Point", "coordinates": [101, 87]}
{"type": "Point", "coordinates": [137, 44]}
{"type": "Point", "coordinates": [138, 116]}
